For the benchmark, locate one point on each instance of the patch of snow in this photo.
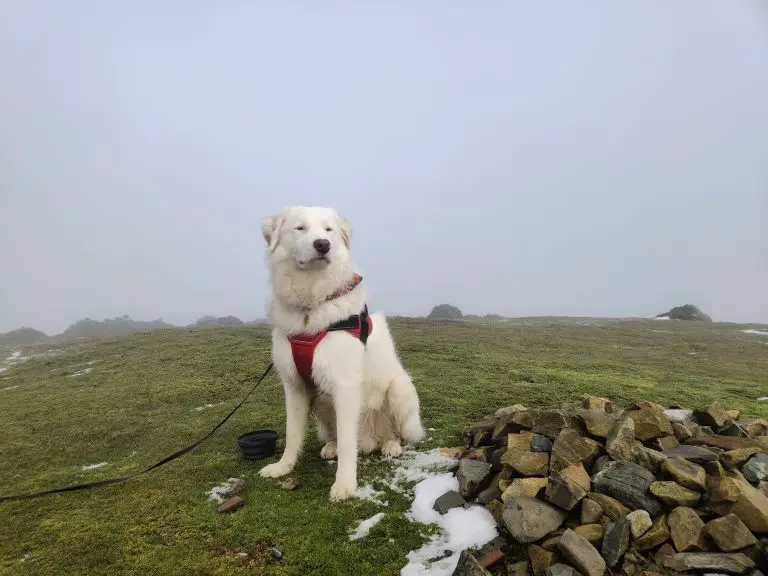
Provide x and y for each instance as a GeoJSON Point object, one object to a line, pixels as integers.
{"type": "Point", "coordinates": [431, 429]}
{"type": "Point", "coordinates": [762, 399]}
{"type": "Point", "coordinates": [364, 526]}
{"type": "Point", "coordinates": [94, 466]}
{"type": "Point", "coordinates": [217, 493]}
{"type": "Point", "coordinates": [82, 372]}
{"type": "Point", "coordinates": [661, 318]}
{"type": "Point", "coordinates": [419, 466]}
{"type": "Point", "coordinates": [679, 415]}
{"type": "Point", "coordinates": [242, 554]}
{"type": "Point", "coordinates": [9, 388]}
{"type": "Point", "coordinates": [206, 407]}
{"type": "Point", "coordinates": [758, 332]}
{"type": "Point", "coordinates": [369, 493]}
{"type": "Point", "coordinates": [460, 528]}
{"type": "Point", "coordinates": [26, 557]}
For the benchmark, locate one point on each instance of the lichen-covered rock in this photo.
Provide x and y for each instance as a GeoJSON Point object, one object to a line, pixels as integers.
{"type": "Point", "coordinates": [520, 458]}
{"type": "Point", "coordinates": [696, 454]}
{"type": "Point", "coordinates": [751, 507]}
{"type": "Point", "coordinates": [616, 541]}
{"type": "Point", "coordinates": [656, 535]}
{"type": "Point", "coordinates": [736, 458]}
{"type": "Point", "coordinates": [650, 423]}
{"type": "Point", "coordinates": [524, 487]}
{"type": "Point", "coordinates": [570, 448]}
{"type": "Point", "coordinates": [672, 494]}
{"type": "Point", "coordinates": [568, 487]}
{"type": "Point", "coordinates": [592, 532]}
{"type": "Point", "coordinates": [729, 533]}
{"type": "Point", "coordinates": [529, 519]}
{"type": "Point", "coordinates": [598, 404]}
{"type": "Point", "coordinates": [591, 511]}
{"type": "Point", "coordinates": [597, 422]}
{"type": "Point", "coordinates": [701, 561]}
{"type": "Point", "coordinates": [612, 508]}
{"type": "Point", "coordinates": [686, 473]}
{"type": "Point", "coordinates": [551, 422]}
{"type": "Point", "coordinates": [686, 529]}
{"type": "Point", "coordinates": [629, 484]}
{"type": "Point", "coordinates": [621, 439]}
{"type": "Point", "coordinates": [639, 522]}
{"type": "Point", "coordinates": [540, 559]}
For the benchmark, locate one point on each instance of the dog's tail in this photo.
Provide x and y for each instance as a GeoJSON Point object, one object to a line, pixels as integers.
{"type": "Point", "coordinates": [403, 402]}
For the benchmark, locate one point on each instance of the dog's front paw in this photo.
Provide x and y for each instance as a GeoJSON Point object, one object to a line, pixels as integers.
{"type": "Point", "coordinates": [342, 490]}
{"type": "Point", "coordinates": [275, 470]}
{"type": "Point", "coordinates": [391, 449]}
{"type": "Point", "coordinates": [328, 452]}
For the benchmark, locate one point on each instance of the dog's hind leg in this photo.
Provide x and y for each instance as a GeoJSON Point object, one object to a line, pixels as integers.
{"type": "Point", "coordinates": [325, 419]}
{"type": "Point", "coordinates": [403, 402]}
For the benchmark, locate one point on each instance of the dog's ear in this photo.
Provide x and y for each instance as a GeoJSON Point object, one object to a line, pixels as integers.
{"type": "Point", "coordinates": [271, 230]}
{"type": "Point", "coordinates": [346, 230]}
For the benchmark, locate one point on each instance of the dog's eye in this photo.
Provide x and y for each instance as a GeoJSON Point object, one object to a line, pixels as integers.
{"type": "Point", "coordinates": [329, 229]}
{"type": "Point", "coordinates": [300, 228]}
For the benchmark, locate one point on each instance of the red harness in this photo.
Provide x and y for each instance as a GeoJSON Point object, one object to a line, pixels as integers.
{"type": "Point", "coordinates": [303, 345]}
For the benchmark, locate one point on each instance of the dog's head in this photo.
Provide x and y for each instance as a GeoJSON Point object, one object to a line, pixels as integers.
{"type": "Point", "coordinates": [312, 237]}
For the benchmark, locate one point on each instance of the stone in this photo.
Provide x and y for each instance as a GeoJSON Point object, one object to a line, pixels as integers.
{"type": "Point", "coordinates": [495, 459]}
{"type": "Point", "coordinates": [524, 419]}
{"type": "Point", "coordinates": [736, 458]}
{"type": "Point", "coordinates": [621, 440]}
{"type": "Point", "coordinates": [600, 463]}
{"type": "Point", "coordinates": [756, 469]}
{"type": "Point", "coordinates": [734, 563]}
{"type": "Point", "coordinates": [231, 504]}
{"type": "Point", "coordinates": [551, 422]}
{"type": "Point", "coordinates": [469, 566]}
{"type": "Point", "coordinates": [518, 569]}
{"type": "Point", "coordinates": [455, 452]}
{"type": "Point", "coordinates": [488, 495]}
{"type": "Point", "coordinates": [724, 490]}
{"type": "Point", "coordinates": [713, 416]}
{"type": "Point", "coordinates": [732, 428]}
{"type": "Point", "coordinates": [566, 489]}
{"type": "Point", "coordinates": [695, 454]}
{"type": "Point", "coordinates": [592, 532]}
{"type": "Point", "coordinates": [519, 457]}
{"type": "Point", "coordinates": [751, 506]}
{"type": "Point", "coordinates": [550, 543]}
{"type": "Point", "coordinates": [678, 415]}
{"type": "Point", "coordinates": [572, 448]}
{"type": "Point", "coordinates": [724, 442]}
{"type": "Point", "coordinates": [590, 511]}
{"type": "Point", "coordinates": [639, 522]}
{"type": "Point", "coordinates": [612, 508]}
{"type": "Point", "coordinates": [597, 423]}
{"type": "Point", "coordinates": [472, 474]}
{"type": "Point", "coordinates": [561, 570]}
{"type": "Point", "coordinates": [616, 541]}
{"type": "Point", "coordinates": [714, 470]}
{"type": "Point", "coordinates": [528, 519]}
{"type": "Point", "coordinates": [650, 423]}
{"type": "Point", "coordinates": [597, 404]}
{"type": "Point", "coordinates": [682, 432]}
{"type": "Point", "coordinates": [733, 414]}
{"type": "Point", "coordinates": [524, 487]}
{"type": "Point", "coordinates": [646, 457]}
{"type": "Point", "coordinates": [633, 561]}
{"type": "Point", "coordinates": [289, 484]}
{"type": "Point", "coordinates": [686, 529]}
{"type": "Point", "coordinates": [448, 501]}
{"type": "Point", "coordinates": [490, 558]}
{"type": "Point", "coordinates": [581, 554]}
{"type": "Point", "coordinates": [664, 551]}
{"type": "Point", "coordinates": [496, 508]}
{"type": "Point", "coordinates": [540, 443]}
{"type": "Point", "coordinates": [666, 443]}
{"type": "Point", "coordinates": [629, 484]}
{"type": "Point", "coordinates": [754, 426]}
{"type": "Point", "coordinates": [508, 410]}
{"type": "Point", "coordinates": [540, 559]}
{"type": "Point", "coordinates": [481, 454]}
{"type": "Point", "coordinates": [686, 473]}
{"type": "Point", "coordinates": [672, 494]}
{"type": "Point", "coordinates": [656, 535]}
{"type": "Point", "coordinates": [729, 533]}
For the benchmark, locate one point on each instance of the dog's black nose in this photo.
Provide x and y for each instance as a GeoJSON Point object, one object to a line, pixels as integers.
{"type": "Point", "coordinates": [322, 246]}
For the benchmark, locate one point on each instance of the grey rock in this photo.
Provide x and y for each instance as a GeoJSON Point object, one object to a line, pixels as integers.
{"type": "Point", "coordinates": [469, 566]}
{"type": "Point", "coordinates": [563, 492]}
{"type": "Point", "coordinates": [540, 443]}
{"type": "Point", "coordinates": [591, 511]}
{"type": "Point", "coordinates": [489, 495]}
{"type": "Point", "coordinates": [471, 476]}
{"type": "Point", "coordinates": [560, 569]}
{"type": "Point", "coordinates": [629, 484]}
{"type": "Point", "coordinates": [696, 454]}
{"type": "Point", "coordinates": [528, 519]}
{"type": "Point", "coordinates": [639, 522]}
{"type": "Point", "coordinates": [732, 428]}
{"type": "Point", "coordinates": [621, 440]}
{"type": "Point", "coordinates": [449, 500]}
{"type": "Point", "coordinates": [581, 554]}
{"type": "Point", "coordinates": [616, 541]}
{"type": "Point", "coordinates": [648, 458]}
{"type": "Point", "coordinates": [756, 469]}
{"type": "Point", "coordinates": [550, 422]}
{"type": "Point", "coordinates": [731, 563]}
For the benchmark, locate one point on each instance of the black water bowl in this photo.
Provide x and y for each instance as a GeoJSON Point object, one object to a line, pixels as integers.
{"type": "Point", "coordinates": [257, 444]}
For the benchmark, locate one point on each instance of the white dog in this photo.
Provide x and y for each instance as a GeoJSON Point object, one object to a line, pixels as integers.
{"type": "Point", "coordinates": [361, 396]}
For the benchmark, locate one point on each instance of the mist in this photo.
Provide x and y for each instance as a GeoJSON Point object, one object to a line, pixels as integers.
{"type": "Point", "coordinates": [518, 158]}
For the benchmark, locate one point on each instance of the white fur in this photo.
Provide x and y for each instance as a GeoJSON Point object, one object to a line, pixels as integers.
{"type": "Point", "coordinates": [365, 399]}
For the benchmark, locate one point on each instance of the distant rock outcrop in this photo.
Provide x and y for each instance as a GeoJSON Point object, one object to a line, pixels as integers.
{"type": "Point", "coordinates": [445, 312]}
{"type": "Point", "coordinates": [686, 312]}
{"type": "Point", "coordinates": [220, 321]}
{"type": "Point", "coordinates": [87, 328]}
{"type": "Point", "coordinates": [22, 337]}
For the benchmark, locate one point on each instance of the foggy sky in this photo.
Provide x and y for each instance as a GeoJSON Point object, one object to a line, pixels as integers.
{"type": "Point", "coordinates": [521, 158]}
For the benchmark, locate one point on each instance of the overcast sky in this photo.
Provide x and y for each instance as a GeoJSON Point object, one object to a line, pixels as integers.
{"type": "Point", "coordinates": [522, 158]}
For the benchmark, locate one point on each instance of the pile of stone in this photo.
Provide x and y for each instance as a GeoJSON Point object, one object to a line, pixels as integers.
{"type": "Point", "coordinates": [601, 490]}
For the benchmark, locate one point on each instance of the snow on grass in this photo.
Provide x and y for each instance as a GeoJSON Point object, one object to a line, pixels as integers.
{"type": "Point", "coordinates": [364, 526]}
{"type": "Point", "coordinates": [8, 388]}
{"type": "Point", "coordinates": [459, 529]}
{"type": "Point", "coordinates": [218, 493]}
{"type": "Point", "coordinates": [369, 493]}
{"type": "Point", "coordinates": [206, 407]}
{"type": "Point", "coordinates": [758, 332]}
{"type": "Point", "coordinates": [762, 399]}
{"type": "Point", "coordinates": [82, 372]}
{"type": "Point", "coordinates": [94, 466]}
{"type": "Point", "coordinates": [417, 466]}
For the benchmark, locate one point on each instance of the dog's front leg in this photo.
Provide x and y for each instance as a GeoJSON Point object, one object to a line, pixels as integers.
{"type": "Point", "coordinates": [296, 416]}
{"type": "Point", "coordinates": [346, 400]}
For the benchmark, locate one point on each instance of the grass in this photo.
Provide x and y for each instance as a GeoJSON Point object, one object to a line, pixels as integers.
{"type": "Point", "coordinates": [136, 405]}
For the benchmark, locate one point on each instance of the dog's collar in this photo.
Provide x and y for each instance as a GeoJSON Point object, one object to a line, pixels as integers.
{"type": "Point", "coordinates": [348, 287]}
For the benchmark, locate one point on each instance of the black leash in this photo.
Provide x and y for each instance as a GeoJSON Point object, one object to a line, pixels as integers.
{"type": "Point", "coordinates": [157, 465]}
